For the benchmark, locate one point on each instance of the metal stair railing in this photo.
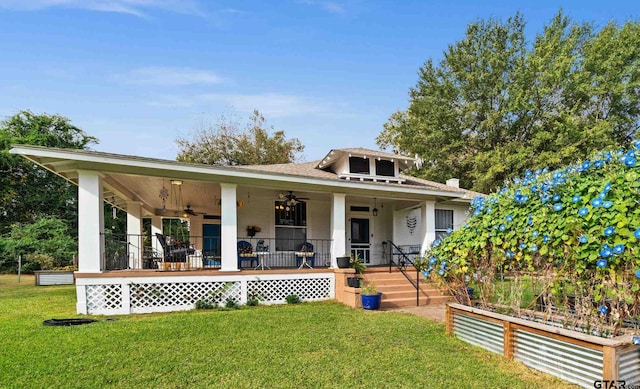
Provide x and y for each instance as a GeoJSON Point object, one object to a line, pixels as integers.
{"type": "Point", "coordinates": [403, 262]}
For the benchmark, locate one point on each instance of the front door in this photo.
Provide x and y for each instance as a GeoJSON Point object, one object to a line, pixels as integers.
{"type": "Point", "coordinates": [360, 243]}
{"type": "Point", "coordinates": [211, 240]}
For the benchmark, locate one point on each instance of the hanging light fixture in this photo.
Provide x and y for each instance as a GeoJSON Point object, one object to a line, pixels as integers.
{"type": "Point", "coordinates": [375, 209]}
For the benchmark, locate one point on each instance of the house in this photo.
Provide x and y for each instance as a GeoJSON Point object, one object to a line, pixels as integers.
{"type": "Point", "coordinates": [253, 231]}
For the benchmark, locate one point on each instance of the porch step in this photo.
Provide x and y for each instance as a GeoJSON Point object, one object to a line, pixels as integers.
{"type": "Point", "coordinates": [397, 291]}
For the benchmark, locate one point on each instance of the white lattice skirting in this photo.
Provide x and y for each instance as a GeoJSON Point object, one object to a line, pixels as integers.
{"type": "Point", "coordinates": [124, 295]}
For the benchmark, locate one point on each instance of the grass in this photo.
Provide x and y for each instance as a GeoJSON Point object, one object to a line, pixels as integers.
{"type": "Point", "coordinates": [320, 345]}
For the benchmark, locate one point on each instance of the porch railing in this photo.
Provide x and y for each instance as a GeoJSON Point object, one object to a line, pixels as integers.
{"type": "Point", "coordinates": [138, 252]}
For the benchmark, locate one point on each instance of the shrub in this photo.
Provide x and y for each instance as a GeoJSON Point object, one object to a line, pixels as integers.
{"type": "Point", "coordinates": [293, 299]}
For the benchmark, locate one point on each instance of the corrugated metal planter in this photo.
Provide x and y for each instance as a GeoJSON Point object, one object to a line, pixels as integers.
{"type": "Point", "coordinates": [54, 277]}
{"type": "Point", "coordinates": [573, 356]}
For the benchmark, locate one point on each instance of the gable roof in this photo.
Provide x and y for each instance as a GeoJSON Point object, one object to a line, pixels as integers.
{"type": "Point", "coordinates": [310, 169]}
{"type": "Point", "coordinates": [335, 154]}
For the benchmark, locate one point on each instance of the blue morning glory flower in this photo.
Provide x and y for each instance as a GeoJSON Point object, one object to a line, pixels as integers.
{"type": "Point", "coordinates": [585, 165]}
{"type": "Point", "coordinates": [605, 251]}
{"type": "Point", "coordinates": [545, 239]}
{"type": "Point", "coordinates": [609, 231]}
{"type": "Point", "coordinates": [603, 309]}
{"type": "Point", "coordinates": [533, 248]}
{"type": "Point", "coordinates": [433, 260]}
{"type": "Point", "coordinates": [584, 211]}
{"type": "Point", "coordinates": [509, 218]}
{"type": "Point", "coordinates": [509, 254]}
{"type": "Point", "coordinates": [607, 187]}
{"type": "Point", "coordinates": [556, 198]}
{"type": "Point", "coordinates": [636, 233]}
{"type": "Point", "coordinates": [618, 249]}
{"type": "Point", "coordinates": [437, 242]}
{"type": "Point", "coordinates": [598, 164]}
{"type": "Point", "coordinates": [443, 265]}
{"type": "Point", "coordinates": [523, 246]}
{"type": "Point", "coordinates": [426, 273]}
{"type": "Point", "coordinates": [502, 227]}
{"type": "Point", "coordinates": [441, 272]}
{"type": "Point", "coordinates": [607, 204]}
{"type": "Point", "coordinates": [544, 198]}
{"type": "Point", "coordinates": [449, 230]}
{"type": "Point", "coordinates": [630, 162]}
{"type": "Point", "coordinates": [601, 263]}
{"type": "Point", "coordinates": [583, 239]}
{"type": "Point", "coordinates": [557, 207]}
{"type": "Point", "coordinates": [596, 202]}
{"type": "Point", "coordinates": [636, 144]}
{"type": "Point", "coordinates": [575, 198]}
{"type": "Point", "coordinates": [638, 273]}
{"type": "Point", "coordinates": [534, 233]}
{"type": "Point", "coordinates": [530, 220]}
{"type": "Point", "coordinates": [528, 173]}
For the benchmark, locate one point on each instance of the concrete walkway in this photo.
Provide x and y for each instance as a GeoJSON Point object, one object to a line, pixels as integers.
{"type": "Point", "coordinates": [434, 312]}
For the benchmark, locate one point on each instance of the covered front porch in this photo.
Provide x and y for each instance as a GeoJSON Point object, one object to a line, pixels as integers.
{"type": "Point", "coordinates": [240, 232]}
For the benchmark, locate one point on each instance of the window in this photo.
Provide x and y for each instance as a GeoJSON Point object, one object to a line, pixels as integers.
{"type": "Point", "coordinates": [385, 168]}
{"type": "Point", "coordinates": [291, 225]}
{"type": "Point", "coordinates": [358, 165]}
{"type": "Point", "coordinates": [444, 222]}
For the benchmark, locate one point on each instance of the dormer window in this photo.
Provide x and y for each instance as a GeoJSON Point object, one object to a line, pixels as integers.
{"type": "Point", "coordinates": [359, 165]}
{"type": "Point", "coordinates": [385, 168]}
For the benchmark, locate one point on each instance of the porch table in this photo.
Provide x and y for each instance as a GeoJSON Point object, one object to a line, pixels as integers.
{"type": "Point", "coordinates": [262, 256]}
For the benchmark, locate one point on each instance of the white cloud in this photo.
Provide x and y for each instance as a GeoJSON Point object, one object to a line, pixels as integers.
{"type": "Point", "coordinates": [131, 7]}
{"type": "Point", "coordinates": [329, 6]}
{"type": "Point", "coordinates": [272, 105]}
{"type": "Point", "coordinates": [168, 76]}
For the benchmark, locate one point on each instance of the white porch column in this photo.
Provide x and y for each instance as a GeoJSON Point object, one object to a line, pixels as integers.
{"type": "Point", "coordinates": [428, 217]}
{"type": "Point", "coordinates": [156, 228]}
{"type": "Point", "coordinates": [228, 227]}
{"type": "Point", "coordinates": [338, 227]}
{"type": "Point", "coordinates": [90, 222]}
{"type": "Point", "coordinates": [134, 234]}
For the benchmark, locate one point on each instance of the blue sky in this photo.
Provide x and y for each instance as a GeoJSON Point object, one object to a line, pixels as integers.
{"type": "Point", "coordinates": [139, 73]}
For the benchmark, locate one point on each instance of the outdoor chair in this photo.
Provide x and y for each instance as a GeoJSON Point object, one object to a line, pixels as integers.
{"type": "Point", "coordinates": [173, 251]}
{"type": "Point", "coordinates": [305, 251]}
{"type": "Point", "coordinates": [245, 253]}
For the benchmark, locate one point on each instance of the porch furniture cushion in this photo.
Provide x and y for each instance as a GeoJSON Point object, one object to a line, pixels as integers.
{"type": "Point", "coordinates": [173, 251]}
{"type": "Point", "coordinates": [245, 253]}
{"type": "Point", "coordinates": [305, 251]}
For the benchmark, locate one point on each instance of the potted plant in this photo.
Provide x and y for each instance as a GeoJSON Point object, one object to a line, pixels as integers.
{"type": "Point", "coordinates": [358, 265]}
{"type": "Point", "coordinates": [344, 261]}
{"type": "Point", "coordinates": [252, 230]}
{"type": "Point", "coordinates": [370, 296]}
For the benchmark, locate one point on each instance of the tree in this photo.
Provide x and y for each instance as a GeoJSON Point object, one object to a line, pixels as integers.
{"type": "Point", "coordinates": [497, 105]}
{"type": "Point", "coordinates": [226, 144]}
{"type": "Point", "coordinates": [28, 192]}
{"type": "Point", "coordinates": [45, 244]}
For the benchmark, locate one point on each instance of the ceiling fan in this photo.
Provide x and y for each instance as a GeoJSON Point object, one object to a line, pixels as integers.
{"type": "Point", "coordinates": [291, 199]}
{"type": "Point", "coordinates": [191, 212]}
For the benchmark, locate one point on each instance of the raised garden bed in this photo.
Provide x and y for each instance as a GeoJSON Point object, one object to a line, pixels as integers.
{"type": "Point", "coordinates": [573, 356]}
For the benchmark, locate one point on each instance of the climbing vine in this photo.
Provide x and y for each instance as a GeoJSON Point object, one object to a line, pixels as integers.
{"type": "Point", "coordinates": [570, 238]}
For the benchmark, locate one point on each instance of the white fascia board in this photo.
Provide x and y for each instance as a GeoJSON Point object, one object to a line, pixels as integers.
{"type": "Point", "coordinates": [88, 160]}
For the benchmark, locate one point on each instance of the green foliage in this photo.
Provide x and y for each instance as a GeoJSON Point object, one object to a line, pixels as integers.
{"type": "Point", "coordinates": [205, 304]}
{"type": "Point", "coordinates": [368, 289]}
{"type": "Point", "coordinates": [227, 144]}
{"type": "Point", "coordinates": [44, 244]}
{"type": "Point", "coordinates": [357, 264]}
{"type": "Point", "coordinates": [231, 303]}
{"type": "Point", "coordinates": [513, 105]}
{"type": "Point", "coordinates": [28, 192]}
{"type": "Point", "coordinates": [573, 231]}
{"type": "Point", "coordinates": [293, 299]}
{"type": "Point", "coordinates": [267, 347]}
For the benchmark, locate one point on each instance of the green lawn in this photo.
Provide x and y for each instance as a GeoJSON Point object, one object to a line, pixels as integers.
{"type": "Point", "coordinates": [307, 345]}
